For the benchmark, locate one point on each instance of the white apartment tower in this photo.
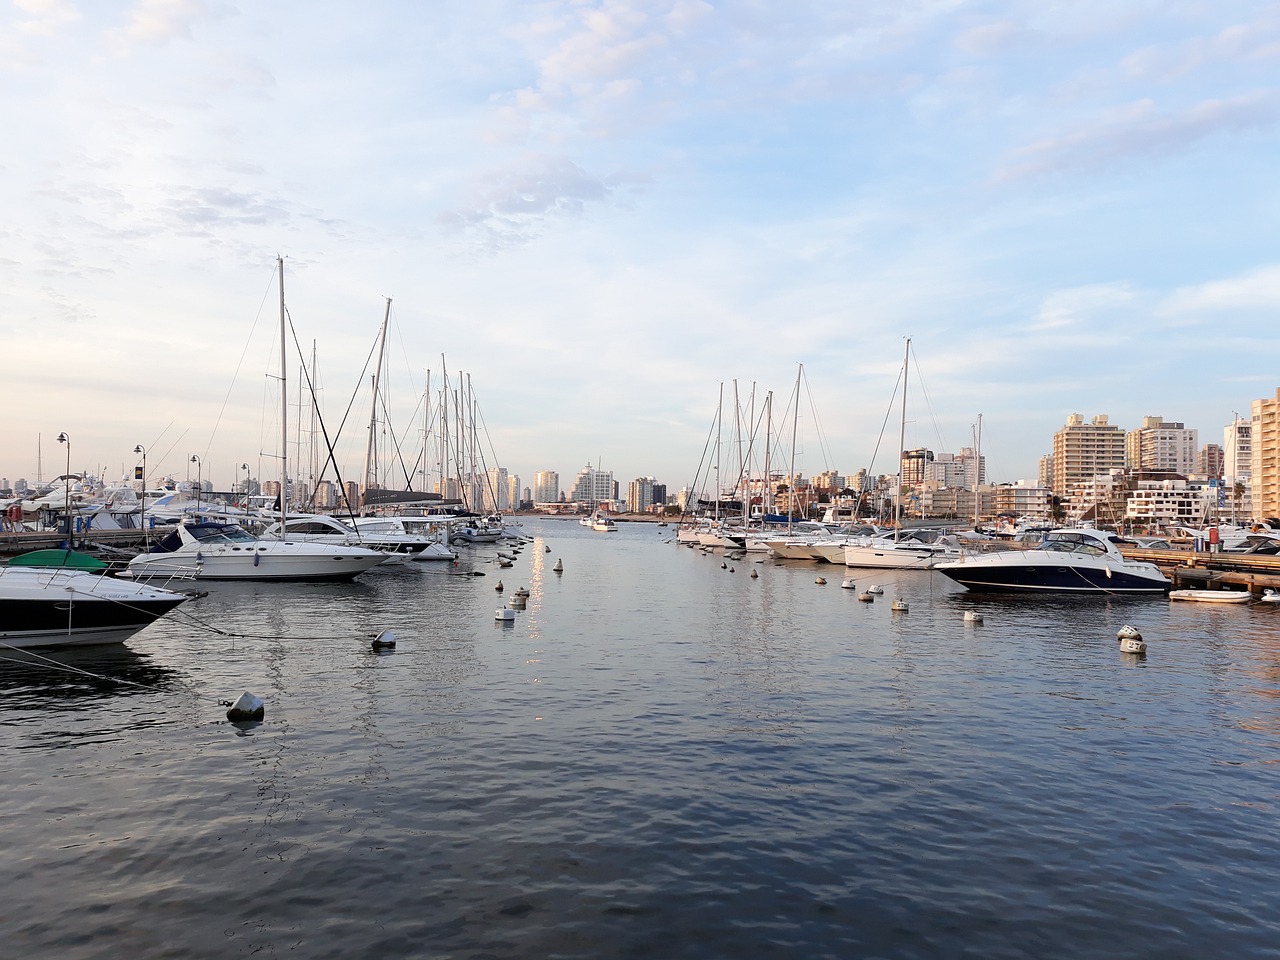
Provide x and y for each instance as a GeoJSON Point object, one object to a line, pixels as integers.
{"type": "Point", "coordinates": [1160, 446]}
{"type": "Point", "coordinates": [592, 487]}
{"type": "Point", "coordinates": [546, 487]}
{"type": "Point", "coordinates": [640, 495]}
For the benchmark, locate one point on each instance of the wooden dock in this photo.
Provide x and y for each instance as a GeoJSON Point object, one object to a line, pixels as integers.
{"type": "Point", "coordinates": [12, 544]}
{"type": "Point", "coordinates": [1192, 569]}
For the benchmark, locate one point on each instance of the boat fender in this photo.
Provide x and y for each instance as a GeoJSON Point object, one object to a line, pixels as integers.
{"type": "Point", "coordinates": [257, 558]}
{"type": "Point", "coordinates": [246, 707]}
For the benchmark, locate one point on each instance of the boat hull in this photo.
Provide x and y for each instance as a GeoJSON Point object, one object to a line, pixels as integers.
{"type": "Point", "coordinates": [1212, 596]}
{"type": "Point", "coordinates": [268, 560]}
{"type": "Point", "coordinates": [1032, 577]}
{"type": "Point", "coordinates": [65, 610]}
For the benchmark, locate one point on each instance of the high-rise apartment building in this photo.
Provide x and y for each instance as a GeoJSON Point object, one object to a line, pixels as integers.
{"type": "Point", "coordinates": [1162, 447]}
{"type": "Point", "coordinates": [1265, 467]}
{"type": "Point", "coordinates": [640, 495]}
{"type": "Point", "coordinates": [913, 465]}
{"type": "Point", "coordinates": [546, 487]}
{"type": "Point", "coordinates": [1082, 451]}
{"type": "Point", "coordinates": [592, 487]}
{"type": "Point", "coordinates": [1237, 451]}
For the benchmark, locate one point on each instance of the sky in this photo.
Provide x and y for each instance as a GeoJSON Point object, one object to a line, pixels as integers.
{"type": "Point", "coordinates": [602, 214]}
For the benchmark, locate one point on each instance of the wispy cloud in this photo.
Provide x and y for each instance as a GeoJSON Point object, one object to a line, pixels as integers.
{"type": "Point", "coordinates": [1139, 130]}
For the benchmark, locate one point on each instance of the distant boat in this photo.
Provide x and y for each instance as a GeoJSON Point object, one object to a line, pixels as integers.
{"type": "Point", "coordinates": [62, 607]}
{"type": "Point", "coordinates": [602, 524]}
{"type": "Point", "coordinates": [1212, 596]}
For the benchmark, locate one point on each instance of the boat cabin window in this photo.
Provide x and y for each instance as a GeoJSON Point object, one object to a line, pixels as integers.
{"type": "Point", "coordinates": [1073, 543]}
{"type": "Point", "coordinates": [219, 533]}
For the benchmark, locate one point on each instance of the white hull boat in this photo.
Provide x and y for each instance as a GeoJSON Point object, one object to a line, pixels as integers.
{"type": "Point", "coordinates": [222, 551]}
{"type": "Point", "coordinates": [1212, 596]}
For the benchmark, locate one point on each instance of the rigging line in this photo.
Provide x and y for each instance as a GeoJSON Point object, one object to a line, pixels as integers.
{"type": "Point", "coordinates": [51, 664]}
{"type": "Point", "coordinates": [324, 431]}
{"type": "Point", "coordinates": [697, 477]}
{"type": "Point", "coordinates": [823, 446]}
{"type": "Point", "coordinates": [928, 402]}
{"type": "Point", "coordinates": [243, 353]}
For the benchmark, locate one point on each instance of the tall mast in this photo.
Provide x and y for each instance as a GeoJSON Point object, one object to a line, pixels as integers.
{"type": "Point", "coordinates": [902, 445]}
{"type": "Point", "coordinates": [977, 478]}
{"type": "Point", "coordinates": [284, 403]}
{"type": "Point", "coordinates": [791, 483]}
{"type": "Point", "coordinates": [371, 452]}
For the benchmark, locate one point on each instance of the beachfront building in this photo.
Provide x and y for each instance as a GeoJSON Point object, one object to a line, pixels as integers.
{"type": "Point", "coordinates": [640, 495]}
{"type": "Point", "coordinates": [1024, 499]}
{"type": "Point", "coordinates": [546, 486]}
{"type": "Point", "coordinates": [593, 487]}
{"type": "Point", "coordinates": [1082, 451]}
{"type": "Point", "coordinates": [1173, 502]}
{"type": "Point", "coordinates": [1161, 446]}
{"type": "Point", "coordinates": [1265, 457]}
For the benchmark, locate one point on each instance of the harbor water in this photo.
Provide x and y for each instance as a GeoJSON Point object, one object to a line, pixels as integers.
{"type": "Point", "coordinates": [662, 756]}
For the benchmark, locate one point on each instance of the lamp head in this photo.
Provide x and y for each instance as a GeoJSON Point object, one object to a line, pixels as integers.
{"type": "Point", "coordinates": [63, 438]}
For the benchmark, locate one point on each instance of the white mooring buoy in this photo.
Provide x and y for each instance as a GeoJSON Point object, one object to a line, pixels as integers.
{"type": "Point", "coordinates": [849, 583]}
{"type": "Point", "coordinates": [972, 616]}
{"type": "Point", "coordinates": [899, 606]}
{"type": "Point", "coordinates": [559, 567]}
{"type": "Point", "coordinates": [246, 707]}
{"type": "Point", "coordinates": [1128, 632]}
{"type": "Point", "coordinates": [755, 575]}
{"type": "Point", "coordinates": [386, 640]}
{"type": "Point", "coordinates": [1133, 646]}
{"type": "Point", "coordinates": [866, 596]}
{"type": "Point", "coordinates": [821, 581]}
{"type": "Point", "coordinates": [504, 614]}
{"type": "Point", "coordinates": [498, 586]}
{"type": "Point", "coordinates": [876, 589]}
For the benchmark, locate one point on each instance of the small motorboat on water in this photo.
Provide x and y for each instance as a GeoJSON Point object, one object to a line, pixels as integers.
{"type": "Point", "coordinates": [1212, 596]}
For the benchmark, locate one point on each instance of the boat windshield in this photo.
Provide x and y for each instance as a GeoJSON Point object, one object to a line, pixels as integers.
{"type": "Point", "coordinates": [1073, 543]}
{"type": "Point", "coordinates": [220, 533]}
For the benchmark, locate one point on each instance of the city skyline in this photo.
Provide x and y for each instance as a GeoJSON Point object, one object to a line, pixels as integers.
{"type": "Point", "coordinates": [602, 211]}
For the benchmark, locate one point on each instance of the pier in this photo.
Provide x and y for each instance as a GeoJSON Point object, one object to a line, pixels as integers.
{"type": "Point", "coordinates": [1197, 569]}
{"type": "Point", "coordinates": [12, 544]}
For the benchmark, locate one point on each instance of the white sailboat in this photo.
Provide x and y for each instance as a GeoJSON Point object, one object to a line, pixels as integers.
{"type": "Point", "coordinates": [912, 552]}
{"type": "Point", "coordinates": [226, 551]}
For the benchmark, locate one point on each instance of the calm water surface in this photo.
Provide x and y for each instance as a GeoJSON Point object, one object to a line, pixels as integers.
{"type": "Point", "coordinates": [660, 758]}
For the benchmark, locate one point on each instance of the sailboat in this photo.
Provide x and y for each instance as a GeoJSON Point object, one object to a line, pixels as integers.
{"type": "Point", "coordinates": [899, 552]}
{"type": "Point", "coordinates": [226, 551]}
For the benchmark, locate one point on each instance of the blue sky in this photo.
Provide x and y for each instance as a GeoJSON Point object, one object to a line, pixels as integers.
{"type": "Point", "coordinates": [601, 211]}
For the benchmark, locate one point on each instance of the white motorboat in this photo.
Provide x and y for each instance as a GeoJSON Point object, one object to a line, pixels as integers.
{"type": "Point", "coordinates": [905, 552]}
{"type": "Point", "coordinates": [225, 551]}
{"type": "Point", "coordinates": [603, 524]}
{"type": "Point", "coordinates": [433, 531]}
{"type": "Point", "coordinates": [47, 607]}
{"type": "Point", "coordinates": [319, 528]}
{"type": "Point", "coordinates": [1069, 560]}
{"type": "Point", "coordinates": [1212, 596]}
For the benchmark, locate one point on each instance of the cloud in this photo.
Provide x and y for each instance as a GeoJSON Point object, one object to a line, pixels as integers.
{"type": "Point", "coordinates": [1139, 131]}
{"type": "Point", "coordinates": [1080, 306]}
{"type": "Point", "coordinates": [1258, 290]}
{"type": "Point", "coordinates": [515, 204]}
{"type": "Point", "coordinates": [158, 22]}
{"type": "Point", "coordinates": [46, 18]}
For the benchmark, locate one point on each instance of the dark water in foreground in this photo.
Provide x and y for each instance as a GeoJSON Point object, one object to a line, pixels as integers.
{"type": "Point", "coordinates": [659, 759]}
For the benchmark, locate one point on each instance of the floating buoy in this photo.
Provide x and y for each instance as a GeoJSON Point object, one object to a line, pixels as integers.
{"type": "Point", "coordinates": [1128, 632]}
{"type": "Point", "coordinates": [820, 580]}
{"type": "Point", "coordinates": [504, 563]}
{"type": "Point", "coordinates": [559, 567]}
{"type": "Point", "coordinates": [522, 592]}
{"type": "Point", "coordinates": [723, 565]}
{"type": "Point", "coordinates": [755, 575]}
{"type": "Point", "coordinates": [972, 616]}
{"type": "Point", "coordinates": [876, 589]}
{"type": "Point", "coordinates": [899, 605]}
{"type": "Point", "coordinates": [849, 583]}
{"type": "Point", "coordinates": [732, 570]}
{"type": "Point", "coordinates": [247, 707]}
{"type": "Point", "coordinates": [866, 596]}
{"type": "Point", "coordinates": [499, 586]}
{"type": "Point", "coordinates": [548, 549]}
{"type": "Point", "coordinates": [1130, 645]}
{"type": "Point", "coordinates": [386, 640]}
{"type": "Point", "coordinates": [516, 602]}
{"type": "Point", "coordinates": [504, 613]}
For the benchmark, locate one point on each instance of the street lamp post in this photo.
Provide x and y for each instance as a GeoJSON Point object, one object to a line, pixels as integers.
{"type": "Point", "coordinates": [142, 450]}
{"type": "Point", "coordinates": [66, 484]}
{"type": "Point", "coordinates": [199, 481]}
{"type": "Point", "coordinates": [245, 468]}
